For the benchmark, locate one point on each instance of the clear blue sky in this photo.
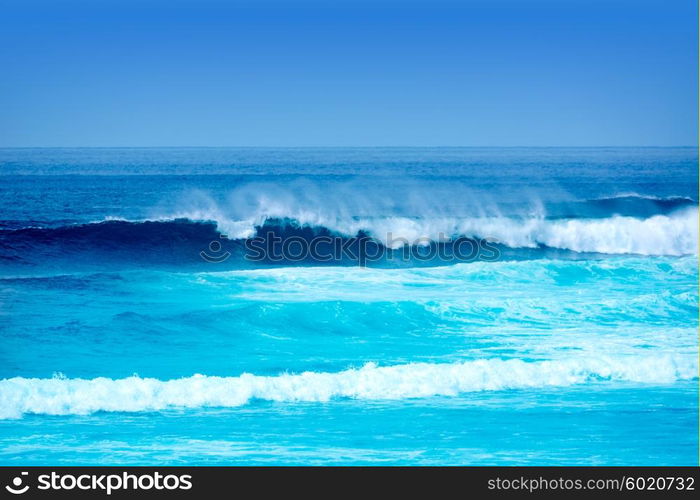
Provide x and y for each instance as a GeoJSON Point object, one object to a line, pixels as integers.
{"type": "Point", "coordinates": [265, 73]}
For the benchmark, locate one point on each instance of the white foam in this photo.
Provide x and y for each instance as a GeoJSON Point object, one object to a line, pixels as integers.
{"type": "Point", "coordinates": [62, 396]}
{"type": "Point", "coordinates": [417, 219]}
{"type": "Point", "coordinates": [672, 235]}
{"type": "Point", "coordinates": [675, 234]}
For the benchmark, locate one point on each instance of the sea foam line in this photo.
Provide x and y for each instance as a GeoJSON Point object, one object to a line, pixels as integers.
{"type": "Point", "coordinates": [675, 234]}
{"type": "Point", "coordinates": [62, 396]}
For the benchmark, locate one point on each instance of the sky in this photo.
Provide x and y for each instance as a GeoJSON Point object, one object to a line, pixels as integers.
{"type": "Point", "coordinates": [383, 73]}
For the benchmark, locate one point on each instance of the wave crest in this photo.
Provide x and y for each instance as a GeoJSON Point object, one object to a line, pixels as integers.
{"type": "Point", "coordinates": [178, 241]}
{"type": "Point", "coordinates": [674, 234]}
{"type": "Point", "coordinates": [62, 396]}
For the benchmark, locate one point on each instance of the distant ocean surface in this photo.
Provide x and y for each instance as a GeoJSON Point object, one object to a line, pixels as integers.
{"type": "Point", "coordinates": [136, 329]}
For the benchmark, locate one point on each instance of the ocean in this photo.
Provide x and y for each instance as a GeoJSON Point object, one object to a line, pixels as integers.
{"type": "Point", "coordinates": [349, 306]}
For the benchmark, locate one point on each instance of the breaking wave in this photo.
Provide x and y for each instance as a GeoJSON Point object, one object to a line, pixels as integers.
{"type": "Point", "coordinates": [674, 234]}
{"type": "Point", "coordinates": [63, 396]}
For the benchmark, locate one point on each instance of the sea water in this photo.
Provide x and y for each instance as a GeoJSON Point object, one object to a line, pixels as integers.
{"type": "Point", "coordinates": [136, 329]}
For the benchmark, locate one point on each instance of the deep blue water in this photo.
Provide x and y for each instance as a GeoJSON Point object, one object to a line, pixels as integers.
{"type": "Point", "coordinates": [569, 338]}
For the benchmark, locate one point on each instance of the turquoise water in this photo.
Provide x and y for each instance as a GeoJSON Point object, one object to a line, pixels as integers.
{"type": "Point", "coordinates": [576, 344]}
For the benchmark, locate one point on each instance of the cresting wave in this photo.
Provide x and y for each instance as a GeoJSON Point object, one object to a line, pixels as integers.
{"type": "Point", "coordinates": [62, 396]}
{"type": "Point", "coordinates": [626, 223]}
{"type": "Point", "coordinates": [674, 234]}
